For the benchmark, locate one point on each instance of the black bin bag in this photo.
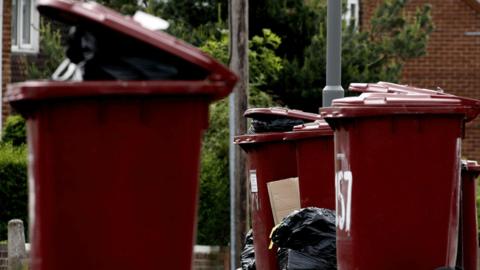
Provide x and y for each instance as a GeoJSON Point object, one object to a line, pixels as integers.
{"type": "Point", "coordinates": [273, 124]}
{"type": "Point", "coordinates": [307, 240]}
{"type": "Point", "coordinates": [247, 258]}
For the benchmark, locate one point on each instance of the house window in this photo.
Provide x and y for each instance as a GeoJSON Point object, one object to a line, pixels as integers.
{"type": "Point", "coordinates": [25, 21]}
{"type": "Point", "coordinates": [352, 13]}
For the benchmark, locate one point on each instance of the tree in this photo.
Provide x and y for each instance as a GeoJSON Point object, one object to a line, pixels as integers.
{"type": "Point", "coordinates": [265, 65]}
{"type": "Point", "coordinates": [369, 56]}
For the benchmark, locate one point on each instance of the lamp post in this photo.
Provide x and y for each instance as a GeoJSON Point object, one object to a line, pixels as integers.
{"type": "Point", "coordinates": [333, 89]}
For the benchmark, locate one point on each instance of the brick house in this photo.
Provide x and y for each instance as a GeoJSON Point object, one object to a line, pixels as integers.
{"type": "Point", "coordinates": [20, 38]}
{"type": "Point", "coordinates": [452, 61]}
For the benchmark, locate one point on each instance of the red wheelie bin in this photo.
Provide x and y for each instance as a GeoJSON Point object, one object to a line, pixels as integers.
{"type": "Point", "coordinates": [113, 165]}
{"type": "Point", "coordinates": [468, 232]}
{"type": "Point", "coordinates": [397, 177]}
{"type": "Point", "coordinates": [270, 158]}
{"type": "Point", "coordinates": [315, 163]}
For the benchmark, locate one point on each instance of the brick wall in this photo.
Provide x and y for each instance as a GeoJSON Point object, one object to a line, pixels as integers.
{"type": "Point", "coordinates": [453, 58]}
{"type": "Point", "coordinates": [211, 258]}
{"type": "Point", "coordinates": [6, 44]}
{"type": "Point", "coordinates": [3, 256]}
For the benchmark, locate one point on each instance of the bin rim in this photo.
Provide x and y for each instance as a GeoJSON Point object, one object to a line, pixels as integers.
{"type": "Point", "coordinates": [44, 90]}
{"type": "Point", "coordinates": [471, 166]}
{"type": "Point", "coordinates": [281, 112]}
{"type": "Point", "coordinates": [289, 136]}
{"type": "Point", "coordinates": [375, 104]}
{"type": "Point", "coordinates": [77, 12]}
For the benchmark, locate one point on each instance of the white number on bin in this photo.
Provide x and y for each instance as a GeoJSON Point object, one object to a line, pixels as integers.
{"type": "Point", "coordinates": [253, 181]}
{"type": "Point", "coordinates": [343, 186]}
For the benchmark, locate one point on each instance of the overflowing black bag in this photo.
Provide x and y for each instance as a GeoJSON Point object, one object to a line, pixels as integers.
{"type": "Point", "coordinates": [102, 54]}
{"type": "Point", "coordinates": [307, 240]}
{"type": "Point", "coordinates": [273, 124]}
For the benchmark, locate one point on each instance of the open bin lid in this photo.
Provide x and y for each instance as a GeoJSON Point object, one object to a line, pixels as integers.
{"type": "Point", "coordinates": [93, 14]}
{"type": "Point", "coordinates": [278, 112]}
{"type": "Point", "coordinates": [216, 80]}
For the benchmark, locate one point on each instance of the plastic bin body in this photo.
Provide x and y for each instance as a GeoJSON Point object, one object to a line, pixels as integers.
{"type": "Point", "coordinates": [114, 188]}
{"type": "Point", "coordinates": [272, 156]}
{"type": "Point", "coordinates": [113, 165]}
{"type": "Point", "coordinates": [315, 164]}
{"type": "Point", "coordinates": [401, 216]}
{"type": "Point", "coordinates": [397, 180]}
{"type": "Point", "coordinates": [468, 233]}
{"type": "Point", "coordinates": [270, 159]}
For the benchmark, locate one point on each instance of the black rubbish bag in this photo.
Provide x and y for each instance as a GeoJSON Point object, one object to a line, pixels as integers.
{"type": "Point", "coordinates": [282, 258]}
{"type": "Point", "coordinates": [310, 236]}
{"type": "Point", "coordinates": [274, 124]}
{"type": "Point", "coordinates": [99, 53]}
{"type": "Point", "coordinates": [247, 258]}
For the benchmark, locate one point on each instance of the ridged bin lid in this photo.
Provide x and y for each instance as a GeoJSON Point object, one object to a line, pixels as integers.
{"type": "Point", "coordinates": [319, 128]}
{"type": "Point", "coordinates": [387, 98]}
{"type": "Point", "coordinates": [281, 113]}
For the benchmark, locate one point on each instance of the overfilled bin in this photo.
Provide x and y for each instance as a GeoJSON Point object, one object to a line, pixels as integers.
{"type": "Point", "coordinates": [468, 233]}
{"type": "Point", "coordinates": [315, 164]}
{"type": "Point", "coordinates": [113, 165]}
{"type": "Point", "coordinates": [397, 178]}
{"type": "Point", "coordinates": [270, 158]}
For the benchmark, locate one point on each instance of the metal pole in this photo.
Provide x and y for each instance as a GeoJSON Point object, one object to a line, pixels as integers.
{"type": "Point", "coordinates": [333, 89]}
{"type": "Point", "coordinates": [238, 125]}
{"type": "Point", "coordinates": [231, 156]}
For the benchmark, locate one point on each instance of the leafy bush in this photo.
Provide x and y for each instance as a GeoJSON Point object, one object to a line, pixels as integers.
{"type": "Point", "coordinates": [13, 186]}
{"type": "Point", "coordinates": [52, 50]}
{"type": "Point", "coordinates": [14, 131]}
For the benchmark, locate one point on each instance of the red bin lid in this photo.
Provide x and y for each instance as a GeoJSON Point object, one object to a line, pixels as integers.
{"type": "Point", "coordinates": [310, 130]}
{"type": "Point", "coordinates": [386, 98]}
{"type": "Point", "coordinates": [471, 166]}
{"type": "Point", "coordinates": [319, 128]}
{"type": "Point", "coordinates": [281, 112]}
{"type": "Point", "coordinates": [218, 83]}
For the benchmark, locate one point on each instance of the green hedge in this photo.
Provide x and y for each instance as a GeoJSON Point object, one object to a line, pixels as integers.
{"type": "Point", "coordinates": [13, 185]}
{"type": "Point", "coordinates": [14, 131]}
